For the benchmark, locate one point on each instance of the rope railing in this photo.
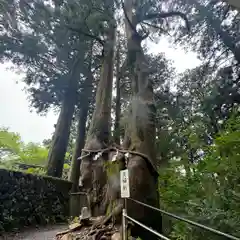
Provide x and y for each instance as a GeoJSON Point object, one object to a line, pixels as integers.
{"type": "Point", "coordinates": [182, 219]}
{"type": "Point", "coordinates": [78, 193]}
{"type": "Point", "coordinates": [97, 153]}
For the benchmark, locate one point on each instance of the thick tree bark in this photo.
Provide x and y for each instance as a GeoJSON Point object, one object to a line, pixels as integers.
{"type": "Point", "coordinates": [118, 99]}
{"type": "Point", "coordinates": [76, 200]}
{"type": "Point", "coordinates": [141, 135]}
{"type": "Point", "coordinates": [93, 174]}
{"type": "Point", "coordinates": [82, 122]}
{"type": "Point", "coordinates": [58, 148]}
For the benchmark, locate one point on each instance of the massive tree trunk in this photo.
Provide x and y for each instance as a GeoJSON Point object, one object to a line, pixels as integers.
{"type": "Point", "coordinates": [61, 136]}
{"type": "Point", "coordinates": [75, 199]}
{"type": "Point", "coordinates": [141, 134]}
{"type": "Point", "coordinates": [84, 104]}
{"type": "Point", "coordinates": [93, 174]}
{"type": "Point", "coordinates": [118, 98]}
{"type": "Point", "coordinates": [81, 130]}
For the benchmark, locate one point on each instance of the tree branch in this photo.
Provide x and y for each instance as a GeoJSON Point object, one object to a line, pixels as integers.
{"type": "Point", "coordinates": [151, 16]}
{"type": "Point", "coordinates": [146, 32]}
{"type": "Point", "coordinates": [102, 42]}
{"type": "Point", "coordinates": [157, 27]}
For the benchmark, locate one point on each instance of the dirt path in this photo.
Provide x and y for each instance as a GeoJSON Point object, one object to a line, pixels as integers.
{"type": "Point", "coordinates": [46, 233]}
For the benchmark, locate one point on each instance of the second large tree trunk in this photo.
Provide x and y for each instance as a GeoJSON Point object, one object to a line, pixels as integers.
{"type": "Point", "coordinates": [84, 104]}
{"type": "Point", "coordinates": [75, 165]}
{"type": "Point", "coordinates": [77, 200]}
{"type": "Point", "coordinates": [59, 144]}
{"type": "Point", "coordinates": [93, 174]}
{"type": "Point", "coordinates": [118, 98]}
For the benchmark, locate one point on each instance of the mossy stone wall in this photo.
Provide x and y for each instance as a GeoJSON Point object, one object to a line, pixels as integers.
{"type": "Point", "coordinates": [28, 200]}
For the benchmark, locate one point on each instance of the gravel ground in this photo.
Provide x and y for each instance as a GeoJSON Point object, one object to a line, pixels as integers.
{"type": "Point", "coordinates": [47, 233]}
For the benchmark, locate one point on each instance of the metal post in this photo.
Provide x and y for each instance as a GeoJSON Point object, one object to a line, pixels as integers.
{"type": "Point", "coordinates": [126, 220]}
{"type": "Point", "coordinates": [124, 225]}
{"type": "Point", "coordinates": [125, 193]}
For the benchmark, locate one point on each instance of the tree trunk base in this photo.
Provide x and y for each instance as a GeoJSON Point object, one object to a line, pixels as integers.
{"type": "Point", "coordinates": [143, 187]}
{"type": "Point", "coordinates": [77, 202]}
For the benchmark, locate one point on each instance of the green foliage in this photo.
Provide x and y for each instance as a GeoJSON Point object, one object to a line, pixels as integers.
{"type": "Point", "coordinates": [14, 153]}
{"type": "Point", "coordinates": [30, 157]}
{"type": "Point", "coordinates": [10, 143]}
{"type": "Point", "coordinates": [33, 153]}
{"type": "Point", "coordinates": [210, 194]}
{"type": "Point", "coordinates": [209, 36]}
{"type": "Point", "coordinates": [112, 167]}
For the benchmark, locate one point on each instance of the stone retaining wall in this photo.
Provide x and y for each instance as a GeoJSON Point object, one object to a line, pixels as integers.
{"type": "Point", "coordinates": [28, 200]}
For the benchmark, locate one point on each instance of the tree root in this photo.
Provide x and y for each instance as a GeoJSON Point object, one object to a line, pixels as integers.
{"type": "Point", "coordinates": [115, 212]}
{"type": "Point", "coordinates": [99, 233]}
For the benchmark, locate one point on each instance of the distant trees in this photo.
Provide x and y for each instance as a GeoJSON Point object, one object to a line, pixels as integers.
{"type": "Point", "coordinates": [54, 59]}
{"type": "Point", "coordinates": [13, 152]}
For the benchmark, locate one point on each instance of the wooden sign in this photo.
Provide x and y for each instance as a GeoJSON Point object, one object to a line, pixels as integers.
{"type": "Point", "coordinates": [125, 188]}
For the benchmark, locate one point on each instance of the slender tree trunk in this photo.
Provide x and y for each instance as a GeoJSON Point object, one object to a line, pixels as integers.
{"type": "Point", "coordinates": [215, 23]}
{"type": "Point", "coordinates": [60, 139]}
{"type": "Point", "coordinates": [75, 165]}
{"type": "Point", "coordinates": [82, 122]}
{"type": "Point", "coordinates": [77, 200]}
{"type": "Point", "coordinates": [93, 175]}
{"type": "Point", "coordinates": [141, 133]}
{"type": "Point", "coordinates": [118, 99]}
